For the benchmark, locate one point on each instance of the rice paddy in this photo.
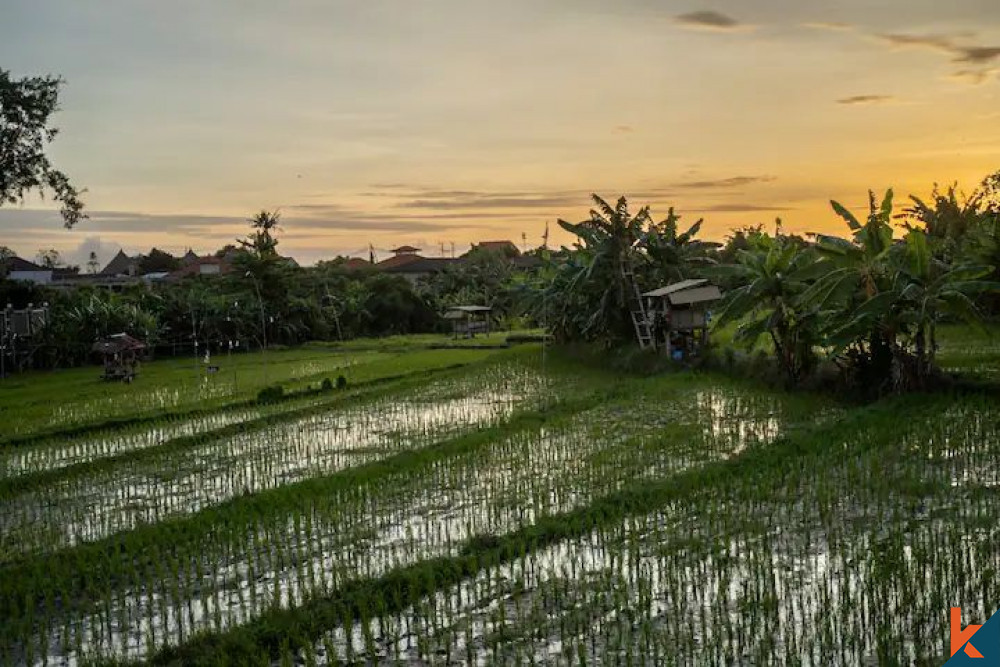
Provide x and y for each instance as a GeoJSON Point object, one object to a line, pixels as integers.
{"type": "Point", "coordinates": [488, 507]}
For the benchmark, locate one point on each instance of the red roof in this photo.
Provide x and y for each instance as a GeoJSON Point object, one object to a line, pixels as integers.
{"type": "Point", "coordinates": [500, 246]}
{"type": "Point", "coordinates": [355, 264]}
{"type": "Point", "coordinates": [398, 260]}
{"type": "Point", "coordinates": [193, 266]}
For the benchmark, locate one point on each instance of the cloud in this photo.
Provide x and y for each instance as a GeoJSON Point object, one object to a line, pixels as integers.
{"type": "Point", "coordinates": [739, 208]}
{"type": "Point", "coordinates": [709, 20]}
{"type": "Point", "coordinates": [732, 182]}
{"type": "Point", "coordinates": [829, 25]}
{"type": "Point", "coordinates": [104, 251]}
{"type": "Point", "coordinates": [976, 55]}
{"type": "Point", "coordinates": [866, 100]}
{"type": "Point", "coordinates": [940, 42]}
{"type": "Point", "coordinates": [480, 202]}
{"type": "Point", "coordinates": [974, 77]}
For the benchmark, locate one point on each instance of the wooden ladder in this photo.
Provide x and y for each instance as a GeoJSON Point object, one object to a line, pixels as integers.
{"type": "Point", "coordinates": [643, 327]}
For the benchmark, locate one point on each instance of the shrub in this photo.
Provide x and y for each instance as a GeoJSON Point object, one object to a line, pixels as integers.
{"type": "Point", "coordinates": [271, 394]}
{"type": "Point", "coordinates": [341, 382]}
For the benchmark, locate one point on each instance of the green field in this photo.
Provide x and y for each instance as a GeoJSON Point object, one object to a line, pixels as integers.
{"type": "Point", "coordinates": [490, 506]}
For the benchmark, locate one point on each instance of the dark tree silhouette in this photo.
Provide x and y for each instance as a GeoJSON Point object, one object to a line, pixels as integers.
{"type": "Point", "coordinates": [25, 107]}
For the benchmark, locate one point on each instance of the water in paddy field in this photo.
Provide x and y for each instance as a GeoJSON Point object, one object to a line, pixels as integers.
{"type": "Point", "coordinates": [414, 517]}
{"type": "Point", "coordinates": [123, 497]}
{"type": "Point", "coordinates": [823, 565]}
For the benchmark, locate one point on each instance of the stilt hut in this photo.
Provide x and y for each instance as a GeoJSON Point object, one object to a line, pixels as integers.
{"type": "Point", "coordinates": [467, 321]}
{"type": "Point", "coordinates": [679, 313]}
{"type": "Point", "coordinates": [121, 356]}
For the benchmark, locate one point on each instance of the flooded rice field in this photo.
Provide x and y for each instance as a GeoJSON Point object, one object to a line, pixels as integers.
{"type": "Point", "coordinates": [508, 514]}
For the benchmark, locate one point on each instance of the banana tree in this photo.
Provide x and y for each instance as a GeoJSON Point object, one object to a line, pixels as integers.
{"type": "Point", "coordinates": [670, 254]}
{"type": "Point", "coordinates": [593, 279]}
{"type": "Point", "coordinates": [854, 274]}
{"type": "Point", "coordinates": [947, 220]}
{"type": "Point", "coordinates": [882, 299]}
{"type": "Point", "coordinates": [774, 273]}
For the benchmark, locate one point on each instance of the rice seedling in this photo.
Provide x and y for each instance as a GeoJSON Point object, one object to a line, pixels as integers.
{"type": "Point", "coordinates": [507, 513]}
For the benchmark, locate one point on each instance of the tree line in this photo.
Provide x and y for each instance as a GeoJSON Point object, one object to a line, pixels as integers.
{"type": "Point", "coordinates": [869, 303]}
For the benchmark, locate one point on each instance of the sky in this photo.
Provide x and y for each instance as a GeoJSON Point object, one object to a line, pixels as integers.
{"type": "Point", "coordinates": [453, 121]}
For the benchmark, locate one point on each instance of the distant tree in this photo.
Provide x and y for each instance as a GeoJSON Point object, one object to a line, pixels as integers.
{"type": "Point", "coordinates": [50, 258]}
{"type": "Point", "coordinates": [225, 250]}
{"type": "Point", "coordinates": [261, 241]}
{"type": "Point", "coordinates": [92, 264]}
{"type": "Point", "coordinates": [5, 254]}
{"type": "Point", "coordinates": [25, 107]}
{"type": "Point", "coordinates": [158, 261]}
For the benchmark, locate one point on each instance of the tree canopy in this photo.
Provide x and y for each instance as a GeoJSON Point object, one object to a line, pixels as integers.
{"type": "Point", "coordinates": [26, 106]}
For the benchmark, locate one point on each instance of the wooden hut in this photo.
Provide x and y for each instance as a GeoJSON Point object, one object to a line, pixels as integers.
{"type": "Point", "coordinates": [467, 321]}
{"type": "Point", "coordinates": [121, 356]}
{"type": "Point", "coordinates": [679, 313]}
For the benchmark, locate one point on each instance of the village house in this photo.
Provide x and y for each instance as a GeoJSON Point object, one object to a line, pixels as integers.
{"type": "Point", "coordinates": [16, 268]}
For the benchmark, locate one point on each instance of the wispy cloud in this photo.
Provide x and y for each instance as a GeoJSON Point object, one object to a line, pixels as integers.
{"type": "Point", "coordinates": [975, 57]}
{"type": "Point", "coordinates": [829, 25]}
{"type": "Point", "coordinates": [974, 77]}
{"type": "Point", "coordinates": [481, 202]}
{"type": "Point", "coordinates": [866, 100]}
{"type": "Point", "coordinates": [976, 54]}
{"type": "Point", "coordinates": [739, 208]}
{"type": "Point", "coordinates": [732, 182]}
{"type": "Point", "coordinates": [710, 20]}
{"type": "Point", "coordinates": [939, 42]}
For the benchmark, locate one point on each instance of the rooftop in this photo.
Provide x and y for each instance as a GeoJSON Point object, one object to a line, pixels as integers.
{"type": "Point", "coordinates": [18, 264]}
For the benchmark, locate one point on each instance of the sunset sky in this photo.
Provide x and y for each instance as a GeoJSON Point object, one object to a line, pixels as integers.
{"type": "Point", "coordinates": [422, 122]}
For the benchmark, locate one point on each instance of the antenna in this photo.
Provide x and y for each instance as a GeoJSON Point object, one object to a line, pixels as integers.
{"type": "Point", "coordinates": [442, 248]}
{"type": "Point", "coordinates": [453, 250]}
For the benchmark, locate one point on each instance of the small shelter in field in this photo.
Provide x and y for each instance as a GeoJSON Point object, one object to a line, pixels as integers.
{"type": "Point", "coordinates": [679, 314]}
{"type": "Point", "coordinates": [121, 356]}
{"type": "Point", "coordinates": [467, 321]}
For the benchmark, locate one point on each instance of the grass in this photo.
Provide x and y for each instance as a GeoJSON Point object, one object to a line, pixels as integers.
{"type": "Point", "coordinates": [486, 506]}
{"type": "Point", "coordinates": [972, 352]}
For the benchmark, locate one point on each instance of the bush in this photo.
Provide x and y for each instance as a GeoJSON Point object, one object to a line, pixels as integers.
{"type": "Point", "coordinates": [341, 382]}
{"type": "Point", "coordinates": [271, 394]}
{"type": "Point", "coordinates": [327, 384]}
